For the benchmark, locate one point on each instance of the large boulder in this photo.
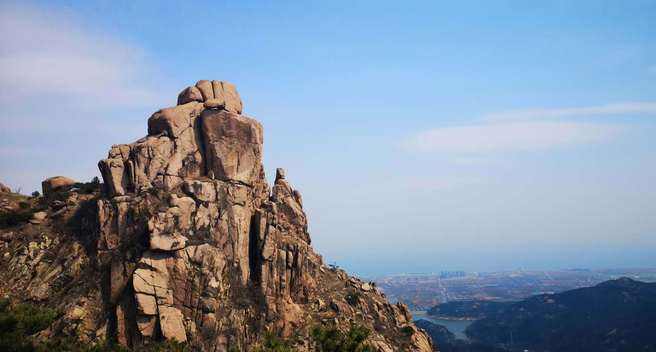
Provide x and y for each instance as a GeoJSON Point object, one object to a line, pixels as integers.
{"type": "Point", "coordinates": [4, 189]}
{"type": "Point", "coordinates": [190, 94]}
{"type": "Point", "coordinates": [56, 183]}
{"type": "Point", "coordinates": [170, 153]}
{"type": "Point", "coordinates": [233, 146]}
{"type": "Point", "coordinates": [219, 95]}
{"type": "Point", "coordinates": [206, 89]}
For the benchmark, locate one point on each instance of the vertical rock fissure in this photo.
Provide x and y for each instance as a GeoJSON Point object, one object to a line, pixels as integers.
{"type": "Point", "coordinates": [110, 308]}
{"type": "Point", "coordinates": [129, 304]}
{"type": "Point", "coordinates": [198, 136]}
{"type": "Point", "coordinates": [254, 255]}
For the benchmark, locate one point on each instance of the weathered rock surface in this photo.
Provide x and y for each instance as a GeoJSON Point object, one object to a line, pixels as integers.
{"type": "Point", "coordinates": [214, 94]}
{"type": "Point", "coordinates": [4, 189]}
{"type": "Point", "coordinates": [188, 242]}
{"type": "Point", "coordinates": [55, 183]}
{"type": "Point", "coordinates": [233, 145]}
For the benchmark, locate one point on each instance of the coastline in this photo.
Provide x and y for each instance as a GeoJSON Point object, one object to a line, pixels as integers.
{"type": "Point", "coordinates": [457, 326]}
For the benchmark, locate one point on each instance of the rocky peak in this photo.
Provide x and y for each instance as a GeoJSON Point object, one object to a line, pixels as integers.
{"type": "Point", "coordinates": [214, 95]}
{"type": "Point", "coordinates": [205, 135]}
{"type": "Point", "coordinates": [190, 243]}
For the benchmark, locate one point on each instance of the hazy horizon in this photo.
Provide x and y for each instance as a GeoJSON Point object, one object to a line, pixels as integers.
{"type": "Point", "coordinates": [475, 136]}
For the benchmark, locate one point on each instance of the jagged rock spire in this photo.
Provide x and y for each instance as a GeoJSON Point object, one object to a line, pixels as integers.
{"type": "Point", "coordinates": [203, 136]}
{"type": "Point", "coordinates": [198, 248]}
{"type": "Point", "coordinates": [188, 243]}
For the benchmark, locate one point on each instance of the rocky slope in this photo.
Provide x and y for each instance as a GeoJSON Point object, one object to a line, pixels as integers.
{"type": "Point", "coordinates": [185, 241]}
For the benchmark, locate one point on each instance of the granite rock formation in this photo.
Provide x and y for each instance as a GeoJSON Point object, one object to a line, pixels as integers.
{"type": "Point", "coordinates": [187, 242]}
{"type": "Point", "coordinates": [52, 184]}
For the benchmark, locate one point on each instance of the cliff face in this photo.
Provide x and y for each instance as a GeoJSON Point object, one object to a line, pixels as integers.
{"type": "Point", "coordinates": [188, 242]}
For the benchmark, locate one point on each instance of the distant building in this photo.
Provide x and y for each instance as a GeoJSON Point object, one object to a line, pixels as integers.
{"type": "Point", "coordinates": [452, 274]}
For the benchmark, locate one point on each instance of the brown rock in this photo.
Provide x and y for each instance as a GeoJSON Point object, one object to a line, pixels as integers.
{"type": "Point", "coordinates": [146, 304]}
{"type": "Point", "coordinates": [298, 197]}
{"type": "Point", "coordinates": [167, 242]}
{"type": "Point", "coordinates": [232, 99]}
{"type": "Point", "coordinates": [170, 320]}
{"type": "Point", "coordinates": [113, 172]}
{"type": "Point", "coordinates": [56, 183]}
{"type": "Point", "coordinates": [202, 191]}
{"type": "Point", "coordinates": [152, 276]}
{"type": "Point", "coordinates": [205, 88]}
{"type": "Point", "coordinates": [219, 95]}
{"type": "Point", "coordinates": [190, 94]}
{"type": "Point", "coordinates": [214, 104]}
{"type": "Point", "coordinates": [419, 341]}
{"type": "Point", "coordinates": [280, 174]}
{"type": "Point", "coordinates": [234, 146]}
{"type": "Point", "coordinates": [173, 121]}
{"type": "Point", "coordinates": [4, 189]}
{"type": "Point", "coordinates": [167, 228]}
{"type": "Point", "coordinates": [171, 153]}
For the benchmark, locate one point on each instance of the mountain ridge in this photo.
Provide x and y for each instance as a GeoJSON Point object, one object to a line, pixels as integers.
{"type": "Point", "coordinates": [616, 315]}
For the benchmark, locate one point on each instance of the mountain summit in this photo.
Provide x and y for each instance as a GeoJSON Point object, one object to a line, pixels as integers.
{"type": "Point", "coordinates": [185, 241]}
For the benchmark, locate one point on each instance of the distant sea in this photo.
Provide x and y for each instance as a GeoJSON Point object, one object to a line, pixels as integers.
{"type": "Point", "coordinates": [457, 327]}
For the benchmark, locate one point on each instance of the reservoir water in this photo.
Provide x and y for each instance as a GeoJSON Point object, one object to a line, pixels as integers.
{"type": "Point", "coordinates": [457, 327]}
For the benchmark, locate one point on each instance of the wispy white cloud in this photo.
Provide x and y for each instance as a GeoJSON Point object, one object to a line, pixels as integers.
{"type": "Point", "coordinates": [513, 136]}
{"type": "Point", "coordinates": [530, 129]}
{"type": "Point", "coordinates": [47, 54]}
{"type": "Point", "coordinates": [67, 92]}
{"type": "Point", "coordinates": [626, 108]}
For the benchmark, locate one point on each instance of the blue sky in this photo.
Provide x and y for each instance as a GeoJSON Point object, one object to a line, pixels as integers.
{"type": "Point", "coordinates": [474, 135]}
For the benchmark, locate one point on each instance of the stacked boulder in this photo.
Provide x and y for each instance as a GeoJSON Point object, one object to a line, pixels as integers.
{"type": "Point", "coordinates": [197, 248]}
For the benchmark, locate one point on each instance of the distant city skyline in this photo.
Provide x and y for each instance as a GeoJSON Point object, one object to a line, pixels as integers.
{"type": "Point", "coordinates": [425, 136]}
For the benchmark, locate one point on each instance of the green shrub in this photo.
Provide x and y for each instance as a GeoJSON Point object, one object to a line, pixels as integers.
{"type": "Point", "coordinates": [353, 298]}
{"type": "Point", "coordinates": [406, 330]}
{"type": "Point", "coordinates": [18, 322]}
{"type": "Point", "coordinates": [15, 217]}
{"type": "Point", "coordinates": [165, 346]}
{"type": "Point", "coordinates": [88, 187]}
{"type": "Point", "coordinates": [73, 345]}
{"type": "Point", "coordinates": [273, 343]}
{"type": "Point", "coordinates": [333, 340]}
